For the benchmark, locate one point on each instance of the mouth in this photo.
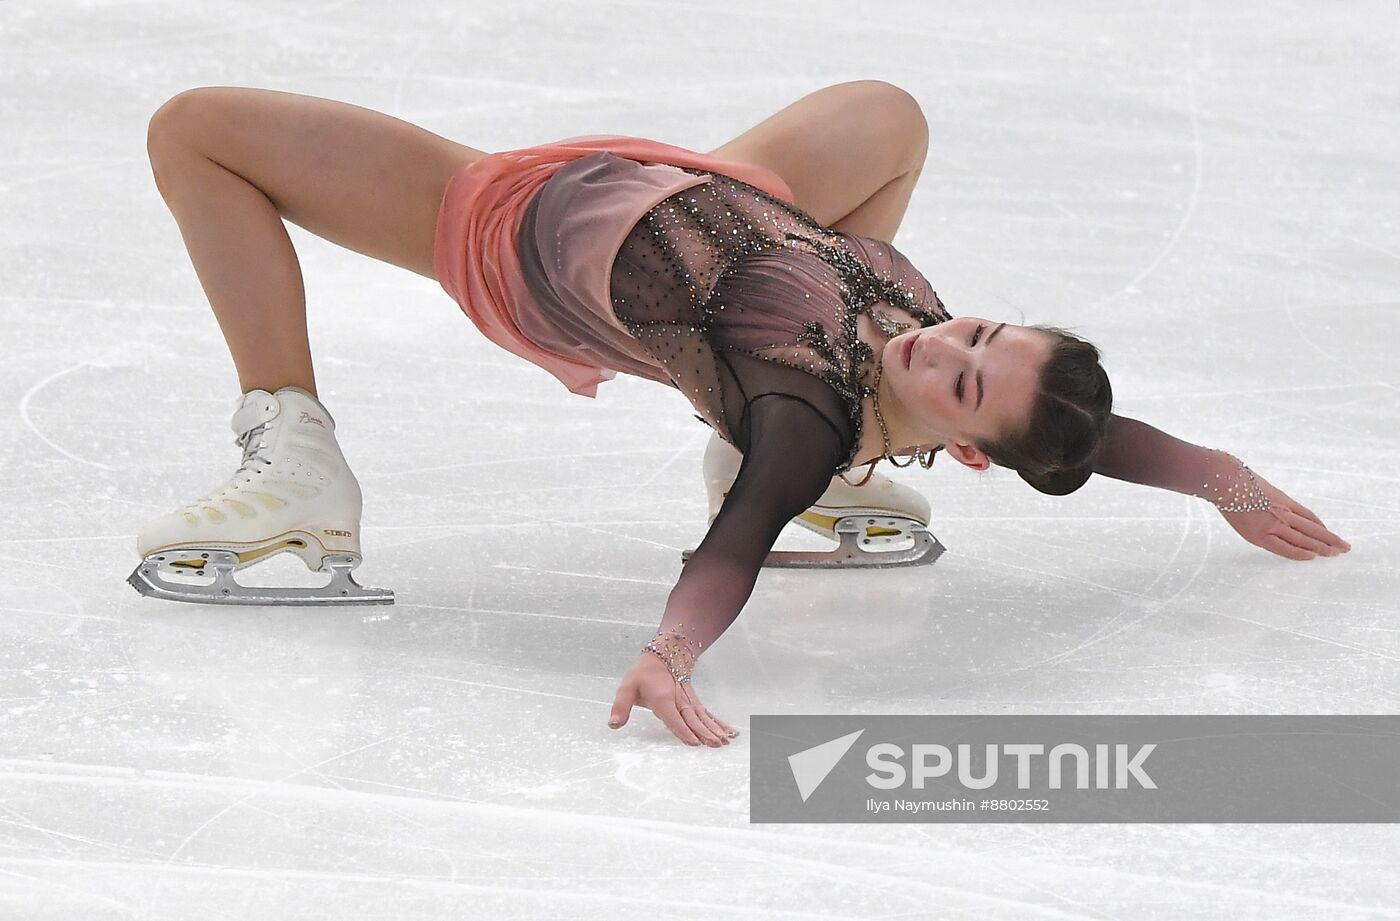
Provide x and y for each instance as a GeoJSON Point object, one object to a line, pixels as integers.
{"type": "Point", "coordinates": [907, 352]}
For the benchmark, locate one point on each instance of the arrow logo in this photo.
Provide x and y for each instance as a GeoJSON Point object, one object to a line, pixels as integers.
{"type": "Point", "coordinates": [810, 766]}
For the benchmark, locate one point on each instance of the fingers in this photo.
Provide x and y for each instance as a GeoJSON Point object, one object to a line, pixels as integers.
{"type": "Point", "coordinates": [716, 725]}
{"type": "Point", "coordinates": [727, 729]}
{"type": "Point", "coordinates": [719, 732]}
{"type": "Point", "coordinates": [1330, 544]}
{"type": "Point", "coordinates": [1334, 540]}
{"type": "Point", "coordinates": [1298, 534]}
{"type": "Point", "coordinates": [676, 722]}
{"type": "Point", "coordinates": [712, 737]}
{"type": "Point", "coordinates": [1288, 510]}
{"type": "Point", "coordinates": [1276, 544]}
{"type": "Point", "coordinates": [688, 719]}
{"type": "Point", "coordinates": [1321, 532]}
{"type": "Point", "coordinates": [1305, 512]}
{"type": "Point", "coordinates": [1304, 542]}
{"type": "Point", "coordinates": [622, 705]}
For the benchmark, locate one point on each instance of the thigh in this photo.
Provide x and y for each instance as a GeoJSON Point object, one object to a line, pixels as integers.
{"type": "Point", "coordinates": [359, 178]}
{"type": "Point", "coordinates": [838, 146]}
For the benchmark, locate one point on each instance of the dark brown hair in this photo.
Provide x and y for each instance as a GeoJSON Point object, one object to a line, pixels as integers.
{"type": "Point", "coordinates": [1055, 451]}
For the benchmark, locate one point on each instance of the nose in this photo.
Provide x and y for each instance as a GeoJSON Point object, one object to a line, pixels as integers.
{"type": "Point", "coordinates": [932, 347]}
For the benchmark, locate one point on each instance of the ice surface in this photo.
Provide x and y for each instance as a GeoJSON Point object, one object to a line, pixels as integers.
{"type": "Point", "coordinates": [1207, 190]}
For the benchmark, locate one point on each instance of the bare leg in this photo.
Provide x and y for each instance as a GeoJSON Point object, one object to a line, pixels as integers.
{"type": "Point", "coordinates": [231, 163]}
{"type": "Point", "coordinates": [851, 153]}
{"type": "Point", "coordinates": [880, 215]}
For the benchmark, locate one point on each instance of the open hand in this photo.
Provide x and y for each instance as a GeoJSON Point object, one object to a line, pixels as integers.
{"type": "Point", "coordinates": [649, 683]}
{"type": "Point", "coordinates": [1286, 528]}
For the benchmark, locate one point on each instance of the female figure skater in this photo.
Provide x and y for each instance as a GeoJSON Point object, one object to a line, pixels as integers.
{"type": "Point", "coordinates": [758, 279]}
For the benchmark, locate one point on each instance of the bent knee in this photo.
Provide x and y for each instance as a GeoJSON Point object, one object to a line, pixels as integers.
{"type": "Point", "coordinates": [176, 121]}
{"type": "Point", "coordinates": [172, 136]}
{"type": "Point", "coordinates": [902, 109]}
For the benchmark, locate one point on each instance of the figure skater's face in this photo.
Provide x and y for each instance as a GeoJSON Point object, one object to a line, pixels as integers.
{"type": "Point", "coordinates": [965, 380]}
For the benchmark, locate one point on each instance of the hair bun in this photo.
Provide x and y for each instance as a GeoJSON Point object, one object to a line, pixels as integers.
{"type": "Point", "coordinates": [1060, 482]}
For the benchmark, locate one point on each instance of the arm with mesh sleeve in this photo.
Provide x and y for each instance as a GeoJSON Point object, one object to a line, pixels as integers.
{"type": "Point", "coordinates": [793, 451]}
{"type": "Point", "coordinates": [1138, 453]}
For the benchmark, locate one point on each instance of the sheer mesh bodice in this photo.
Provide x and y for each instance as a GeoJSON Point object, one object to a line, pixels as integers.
{"type": "Point", "coordinates": [738, 294]}
{"type": "Point", "coordinates": [752, 308]}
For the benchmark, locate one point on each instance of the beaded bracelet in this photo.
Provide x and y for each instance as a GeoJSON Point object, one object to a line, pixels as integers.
{"type": "Point", "coordinates": [1241, 497]}
{"type": "Point", "coordinates": [671, 649]}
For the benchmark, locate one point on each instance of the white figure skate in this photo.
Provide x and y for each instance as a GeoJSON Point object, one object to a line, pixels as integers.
{"type": "Point", "coordinates": [293, 493]}
{"type": "Point", "coordinates": [880, 524]}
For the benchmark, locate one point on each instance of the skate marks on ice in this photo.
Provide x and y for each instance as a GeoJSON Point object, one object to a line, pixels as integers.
{"type": "Point", "coordinates": [443, 852]}
{"type": "Point", "coordinates": [27, 417]}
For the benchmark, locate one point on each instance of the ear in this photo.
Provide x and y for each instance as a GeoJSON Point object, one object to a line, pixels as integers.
{"type": "Point", "coordinates": [968, 455]}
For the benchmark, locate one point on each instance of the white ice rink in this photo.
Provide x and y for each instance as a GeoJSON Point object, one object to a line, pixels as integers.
{"type": "Point", "coordinates": [1209, 191]}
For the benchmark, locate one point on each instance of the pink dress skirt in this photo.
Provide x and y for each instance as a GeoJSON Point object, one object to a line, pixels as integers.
{"type": "Point", "coordinates": [476, 260]}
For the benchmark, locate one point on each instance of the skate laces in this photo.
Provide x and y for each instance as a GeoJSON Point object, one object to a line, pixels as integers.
{"type": "Point", "coordinates": [251, 442]}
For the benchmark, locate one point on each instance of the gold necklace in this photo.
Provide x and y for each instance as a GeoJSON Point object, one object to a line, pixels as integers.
{"type": "Point", "coordinates": [925, 458]}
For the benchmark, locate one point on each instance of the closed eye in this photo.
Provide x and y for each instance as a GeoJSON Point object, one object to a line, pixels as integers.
{"type": "Point", "coordinates": [958, 384]}
{"type": "Point", "coordinates": [981, 387]}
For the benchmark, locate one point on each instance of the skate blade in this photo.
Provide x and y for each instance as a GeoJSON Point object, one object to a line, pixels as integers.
{"type": "Point", "coordinates": [222, 588]}
{"type": "Point", "coordinates": [854, 537]}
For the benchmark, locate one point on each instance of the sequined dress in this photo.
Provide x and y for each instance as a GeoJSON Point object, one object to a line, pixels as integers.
{"type": "Point", "coordinates": [749, 307]}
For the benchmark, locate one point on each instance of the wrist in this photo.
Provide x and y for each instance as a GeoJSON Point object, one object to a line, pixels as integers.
{"type": "Point", "coordinates": [676, 652]}
{"type": "Point", "coordinates": [1232, 487]}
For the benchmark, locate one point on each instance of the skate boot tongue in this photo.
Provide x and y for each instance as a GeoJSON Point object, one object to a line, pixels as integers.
{"type": "Point", "coordinates": [256, 410]}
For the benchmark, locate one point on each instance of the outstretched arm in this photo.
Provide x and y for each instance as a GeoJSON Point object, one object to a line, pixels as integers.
{"type": "Point", "coordinates": [792, 453]}
{"type": "Point", "coordinates": [1258, 511]}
